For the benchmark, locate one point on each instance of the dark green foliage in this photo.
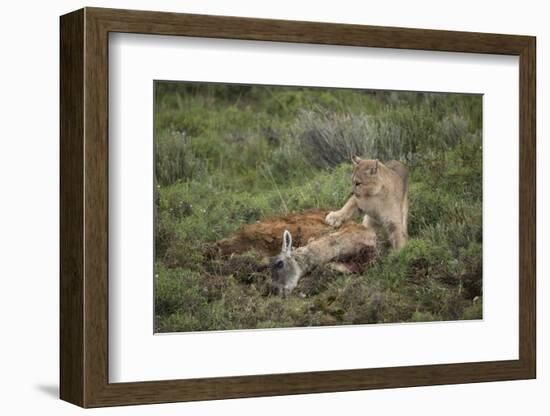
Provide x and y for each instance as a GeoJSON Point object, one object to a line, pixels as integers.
{"type": "Point", "coordinates": [226, 155]}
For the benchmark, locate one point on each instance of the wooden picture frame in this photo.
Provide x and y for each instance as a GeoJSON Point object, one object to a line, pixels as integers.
{"type": "Point", "coordinates": [84, 207]}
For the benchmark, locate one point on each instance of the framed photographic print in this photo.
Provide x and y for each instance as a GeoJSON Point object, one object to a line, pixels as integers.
{"type": "Point", "coordinates": [255, 207]}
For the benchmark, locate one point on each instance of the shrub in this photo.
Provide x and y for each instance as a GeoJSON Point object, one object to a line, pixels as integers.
{"type": "Point", "coordinates": [406, 134]}
{"type": "Point", "coordinates": [178, 291]}
{"type": "Point", "coordinates": [330, 139]}
{"type": "Point", "coordinates": [173, 158]}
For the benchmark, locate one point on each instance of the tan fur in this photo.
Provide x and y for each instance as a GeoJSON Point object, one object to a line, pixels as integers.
{"type": "Point", "coordinates": [380, 192]}
{"type": "Point", "coordinates": [266, 237]}
{"type": "Point", "coordinates": [291, 264]}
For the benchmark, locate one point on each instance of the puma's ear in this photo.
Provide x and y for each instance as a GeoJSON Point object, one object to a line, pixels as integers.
{"type": "Point", "coordinates": [356, 159]}
{"type": "Point", "coordinates": [376, 166]}
{"type": "Point", "coordinates": [287, 242]}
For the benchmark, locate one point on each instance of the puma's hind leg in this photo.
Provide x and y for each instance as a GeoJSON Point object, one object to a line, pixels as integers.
{"type": "Point", "coordinates": [405, 216]}
{"type": "Point", "coordinates": [397, 236]}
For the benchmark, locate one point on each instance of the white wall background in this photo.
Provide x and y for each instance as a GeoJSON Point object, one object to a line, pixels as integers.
{"type": "Point", "coordinates": [29, 159]}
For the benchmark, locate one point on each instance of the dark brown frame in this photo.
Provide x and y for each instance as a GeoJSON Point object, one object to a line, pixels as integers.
{"type": "Point", "coordinates": [84, 208]}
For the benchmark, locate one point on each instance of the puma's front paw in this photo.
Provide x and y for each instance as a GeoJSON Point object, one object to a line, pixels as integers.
{"type": "Point", "coordinates": [333, 218]}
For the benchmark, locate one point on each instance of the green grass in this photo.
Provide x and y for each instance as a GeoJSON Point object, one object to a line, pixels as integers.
{"type": "Point", "coordinates": [227, 155]}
